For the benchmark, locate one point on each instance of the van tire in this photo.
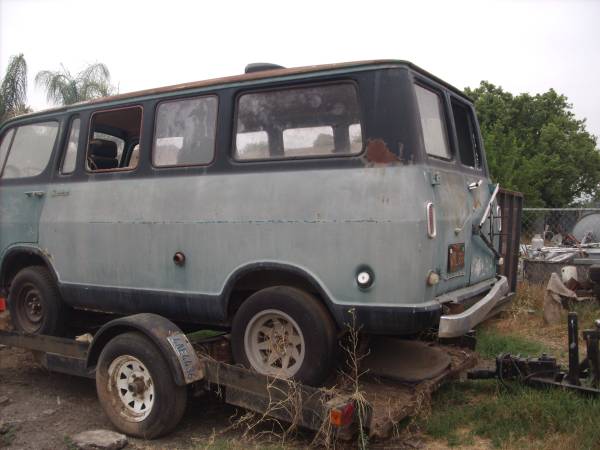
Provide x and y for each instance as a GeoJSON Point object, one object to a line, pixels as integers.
{"type": "Point", "coordinates": [167, 400]}
{"type": "Point", "coordinates": [35, 304]}
{"type": "Point", "coordinates": [306, 357]}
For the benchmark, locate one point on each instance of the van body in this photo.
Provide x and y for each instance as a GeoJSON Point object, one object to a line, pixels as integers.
{"type": "Point", "coordinates": [364, 185]}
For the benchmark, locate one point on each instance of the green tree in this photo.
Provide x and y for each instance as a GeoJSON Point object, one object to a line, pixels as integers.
{"type": "Point", "coordinates": [65, 89]}
{"type": "Point", "coordinates": [534, 144]}
{"type": "Point", "coordinates": [13, 89]}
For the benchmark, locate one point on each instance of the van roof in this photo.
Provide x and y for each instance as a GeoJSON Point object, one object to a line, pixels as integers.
{"type": "Point", "coordinates": [252, 76]}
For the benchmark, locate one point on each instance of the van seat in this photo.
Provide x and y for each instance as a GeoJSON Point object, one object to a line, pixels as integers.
{"type": "Point", "coordinates": [103, 154]}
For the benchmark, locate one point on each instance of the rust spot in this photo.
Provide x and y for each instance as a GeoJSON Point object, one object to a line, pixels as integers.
{"type": "Point", "coordinates": [379, 153]}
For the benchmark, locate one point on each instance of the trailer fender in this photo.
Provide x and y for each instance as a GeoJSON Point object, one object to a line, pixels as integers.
{"type": "Point", "coordinates": [171, 341]}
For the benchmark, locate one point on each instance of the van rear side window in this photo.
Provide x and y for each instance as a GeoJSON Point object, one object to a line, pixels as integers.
{"type": "Point", "coordinates": [431, 111]}
{"type": "Point", "coordinates": [299, 123]}
{"type": "Point", "coordinates": [185, 132]}
{"type": "Point", "coordinates": [30, 151]}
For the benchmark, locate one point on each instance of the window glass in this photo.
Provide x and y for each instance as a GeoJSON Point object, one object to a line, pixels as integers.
{"type": "Point", "coordinates": [31, 150]}
{"type": "Point", "coordinates": [6, 139]}
{"type": "Point", "coordinates": [298, 122]}
{"type": "Point", "coordinates": [252, 145]}
{"type": "Point", "coordinates": [68, 165]}
{"type": "Point", "coordinates": [431, 111]}
{"type": "Point", "coordinates": [468, 147]}
{"type": "Point", "coordinates": [308, 141]}
{"type": "Point", "coordinates": [185, 132]}
{"type": "Point", "coordinates": [111, 133]}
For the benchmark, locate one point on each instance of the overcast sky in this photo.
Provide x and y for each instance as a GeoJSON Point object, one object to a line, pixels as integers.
{"type": "Point", "coordinates": [524, 46]}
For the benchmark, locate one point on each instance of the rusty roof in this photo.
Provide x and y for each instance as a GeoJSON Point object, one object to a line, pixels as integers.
{"type": "Point", "coordinates": [272, 73]}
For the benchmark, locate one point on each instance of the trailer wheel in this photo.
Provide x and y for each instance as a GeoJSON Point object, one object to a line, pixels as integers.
{"type": "Point", "coordinates": [285, 332]}
{"type": "Point", "coordinates": [136, 388]}
{"type": "Point", "coordinates": [35, 304]}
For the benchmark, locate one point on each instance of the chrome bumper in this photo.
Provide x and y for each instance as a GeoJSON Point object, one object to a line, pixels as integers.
{"type": "Point", "coordinates": [459, 324]}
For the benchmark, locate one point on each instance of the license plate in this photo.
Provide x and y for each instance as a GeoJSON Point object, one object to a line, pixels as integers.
{"type": "Point", "coordinates": [456, 257]}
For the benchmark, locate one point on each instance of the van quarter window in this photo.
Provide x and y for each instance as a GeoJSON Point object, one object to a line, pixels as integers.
{"type": "Point", "coordinates": [185, 132]}
{"type": "Point", "coordinates": [431, 110]}
{"type": "Point", "coordinates": [113, 136]}
{"type": "Point", "coordinates": [68, 165]}
{"type": "Point", "coordinates": [30, 151]}
{"type": "Point", "coordinates": [470, 154]}
{"type": "Point", "coordinates": [299, 122]}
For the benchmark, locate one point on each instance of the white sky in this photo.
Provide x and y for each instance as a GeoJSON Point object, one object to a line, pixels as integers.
{"type": "Point", "coordinates": [524, 46]}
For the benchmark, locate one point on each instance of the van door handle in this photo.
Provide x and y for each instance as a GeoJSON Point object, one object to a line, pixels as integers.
{"type": "Point", "coordinates": [38, 194]}
{"type": "Point", "coordinates": [475, 185]}
{"type": "Point", "coordinates": [59, 193]}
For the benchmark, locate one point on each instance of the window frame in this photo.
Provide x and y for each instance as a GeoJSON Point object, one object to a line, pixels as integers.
{"type": "Point", "coordinates": [67, 138]}
{"type": "Point", "coordinates": [473, 128]}
{"type": "Point", "coordinates": [240, 93]}
{"type": "Point", "coordinates": [445, 120]}
{"type": "Point", "coordinates": [90, 135]}
{"type": "Point", "coordinates": [12, 139]}
{"type": "Point", "coordinates": [50, 161]}
{"type": "Point", "coordinates": [216, 131]}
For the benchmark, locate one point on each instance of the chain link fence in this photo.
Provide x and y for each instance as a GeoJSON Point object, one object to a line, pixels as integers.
{"type": "Point", "coordinates": [558, 225]}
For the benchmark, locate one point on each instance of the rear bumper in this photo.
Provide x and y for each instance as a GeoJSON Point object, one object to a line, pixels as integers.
{"type": "Point", "coordinates": [458, 324]}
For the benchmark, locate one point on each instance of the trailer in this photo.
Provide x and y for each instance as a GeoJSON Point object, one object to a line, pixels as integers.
{"type": "Point", "coordinates": [145, 366]}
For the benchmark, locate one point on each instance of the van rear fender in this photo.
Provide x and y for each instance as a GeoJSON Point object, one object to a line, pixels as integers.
{"type": "Point", "coordinates": [256, 276]}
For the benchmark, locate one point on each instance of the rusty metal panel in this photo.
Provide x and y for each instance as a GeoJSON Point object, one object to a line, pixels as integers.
{"type": "Point", "coordinates": [456, 257]}
{"type": "Point", "coordinates": [511, 204]}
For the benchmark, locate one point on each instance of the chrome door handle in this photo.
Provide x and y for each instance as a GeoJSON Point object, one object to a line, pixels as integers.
{"type": "Point", "coordinates": [38, 194]}
{"type": "Point", "coordinates": [474, 185]}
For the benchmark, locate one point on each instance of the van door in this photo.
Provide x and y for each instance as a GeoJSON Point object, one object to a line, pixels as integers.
{"type": "Point", "coordinates": [26, 152]}
{"type": "Point", "coordinates": [481, 264]}
{"type": "Point", "coordinates": [451, 214]}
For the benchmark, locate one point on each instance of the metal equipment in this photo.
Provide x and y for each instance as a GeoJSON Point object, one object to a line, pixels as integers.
{"type": "Point", "coordinates": [582, 376]}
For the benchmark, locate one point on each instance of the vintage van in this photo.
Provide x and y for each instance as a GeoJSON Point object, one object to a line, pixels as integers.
{"type": "Point", "coordinates": [276, 204]}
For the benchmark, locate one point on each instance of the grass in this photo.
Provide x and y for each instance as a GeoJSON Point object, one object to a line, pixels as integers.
{"type": "Point", "coordinates": [491, 343]}
{"type": "Point", "coordinates": [484, 413]}
{"type": "Point", "coordinates": [520, 417]}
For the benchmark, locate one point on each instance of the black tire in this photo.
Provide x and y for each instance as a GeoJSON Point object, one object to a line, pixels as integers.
{"type": "Point", "coordinates": [169, 399]}
{"type": "Point", "coordinates": [312, 318]}
{"type": "Point", "coordinates": [35, 304]}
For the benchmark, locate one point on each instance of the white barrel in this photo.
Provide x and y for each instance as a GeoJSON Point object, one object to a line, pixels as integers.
{"type": "Point", "coordinates": [568, 272]}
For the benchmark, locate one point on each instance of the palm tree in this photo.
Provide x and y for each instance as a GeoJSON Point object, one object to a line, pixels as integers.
{"type": "Point", "coordinates": [63, 88]}
{"type": "Point", "coordinates": [13, 89]}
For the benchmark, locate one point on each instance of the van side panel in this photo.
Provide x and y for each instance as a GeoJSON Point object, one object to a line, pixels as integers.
{"type": "Point", "coordinates": [124, 233]}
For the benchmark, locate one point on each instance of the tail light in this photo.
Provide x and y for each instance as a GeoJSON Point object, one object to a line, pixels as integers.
{"type": "Point", "coordinates": [342, 415]}
{"type": "Point", "coordinates": [431, 229]}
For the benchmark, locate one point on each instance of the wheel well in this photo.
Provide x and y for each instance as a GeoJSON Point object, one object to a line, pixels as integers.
{"type": "Point", "coordinates": [16, 261]}
{"type": "Point", "coordinates": [255, 280]}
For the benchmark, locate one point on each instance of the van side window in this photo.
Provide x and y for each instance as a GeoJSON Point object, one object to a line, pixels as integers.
{"type": "Point", "coordinates": [68, 164]}
{"type": "Point", "coordinates": [4, 145]}
{"type": "Point", "coordinates": [113, 136]}
{"type": "Point", "coordinates": [468, 147]}
{"type": "Point", "coordinates": [299, 122]}
{"type": "Point", "coordinates": [30, 151]}
{"type": "Point", "coordinates": [185, 132]}
{"type": "Point", "coordinates": [431, 111]}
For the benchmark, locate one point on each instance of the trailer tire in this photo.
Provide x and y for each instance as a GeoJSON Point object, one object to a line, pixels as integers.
{"type": "Point", "coordinates": [136, 388]}
{"type": "Point", "coordinates": [285, 332]}
{"type": "Point", "coordinates": [35, 304]}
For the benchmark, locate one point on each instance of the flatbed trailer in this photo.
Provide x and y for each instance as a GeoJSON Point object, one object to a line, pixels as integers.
{"type": "Point", "coordinates": [202, 362]}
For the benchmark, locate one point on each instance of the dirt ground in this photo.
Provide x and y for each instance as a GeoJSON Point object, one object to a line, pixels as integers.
{"type": "Point", "coordinates": [45, 408]}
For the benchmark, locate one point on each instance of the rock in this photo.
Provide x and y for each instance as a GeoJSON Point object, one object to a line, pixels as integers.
{"type": "Point", "coordinates": [4, 400]}
{"type": "Point", "coordinates": [99, 440]}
